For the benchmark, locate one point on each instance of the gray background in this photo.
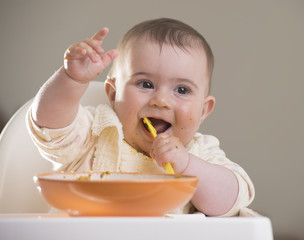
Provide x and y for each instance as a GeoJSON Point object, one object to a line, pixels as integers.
{"type": "Point", "coordinates": [258, 79]}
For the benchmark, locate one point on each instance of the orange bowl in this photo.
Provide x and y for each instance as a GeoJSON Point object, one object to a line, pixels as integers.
{"type": "Point", "coordinates": [115, 194]}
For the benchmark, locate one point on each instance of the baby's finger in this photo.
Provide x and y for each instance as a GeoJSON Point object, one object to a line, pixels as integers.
{"type": "Point", "coordinates": [164, 143]}
{"type": "Point", "coordinates": [95, 45]}
{"type": "Point", "coordinates": [108, 57]}
{"type": "Point", "coordinates": [165, 147]}
{"type": "Point", "coordinates": [100, 35]}
{"type": "Point", "coordinates": [91, 53]}
{"type": "Point", "coordinates": [162, 139]}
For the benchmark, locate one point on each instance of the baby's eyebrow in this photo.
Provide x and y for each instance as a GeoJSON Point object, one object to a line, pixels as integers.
{"type": "Point", "coordinates": [189, 81]}
{"type": "Point", "coordinates": [141, 73]}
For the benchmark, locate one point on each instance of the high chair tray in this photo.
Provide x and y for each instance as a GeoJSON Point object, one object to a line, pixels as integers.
{"type": "Point", "coordinates": [194, 226]}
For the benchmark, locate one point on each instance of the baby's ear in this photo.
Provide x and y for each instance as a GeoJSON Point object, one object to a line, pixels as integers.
{"type": "Point", "coordinates": [110, 89]}
{"type": "Point", "coordinates": [208, 107]}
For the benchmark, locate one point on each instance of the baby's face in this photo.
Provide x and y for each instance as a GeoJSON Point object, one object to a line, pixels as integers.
{"type": "Point", "coordinates": [167, 86]}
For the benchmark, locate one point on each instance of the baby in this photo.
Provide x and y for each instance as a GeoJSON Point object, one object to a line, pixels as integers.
{"type": "Point", "coordinates": [162, 70]}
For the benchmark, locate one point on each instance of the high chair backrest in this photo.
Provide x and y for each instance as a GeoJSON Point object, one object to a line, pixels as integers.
{"type": "Point", "coordinates": [20, 159]}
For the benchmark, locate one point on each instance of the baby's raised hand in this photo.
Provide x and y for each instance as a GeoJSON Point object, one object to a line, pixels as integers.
{"type": "Point", "coordinates": [168, 148]}
{"type": "Point", "coordinates": [84, 61]}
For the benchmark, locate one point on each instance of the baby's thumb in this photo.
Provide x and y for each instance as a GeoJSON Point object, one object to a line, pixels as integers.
{"type": "Point", "coordinates": [108, 57]}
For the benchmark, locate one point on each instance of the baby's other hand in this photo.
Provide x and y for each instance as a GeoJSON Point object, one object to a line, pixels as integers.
{"type": "Point", "coordinates": [83, 61]}
{"type": "Point", "coordinates": [168, 148]}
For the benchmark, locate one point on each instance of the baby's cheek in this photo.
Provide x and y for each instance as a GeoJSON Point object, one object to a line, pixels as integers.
{"type": "Point", "coordinates": [187, 119]}
{"type": "Point", "coordinates": [189, 124]}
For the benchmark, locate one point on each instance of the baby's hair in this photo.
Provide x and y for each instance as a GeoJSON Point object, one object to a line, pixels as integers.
{"type": "Point", "coordinates": [168, 31]}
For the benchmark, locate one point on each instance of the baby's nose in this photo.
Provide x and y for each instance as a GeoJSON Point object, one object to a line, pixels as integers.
{"type": "Point", "coordinates": [161, 99]}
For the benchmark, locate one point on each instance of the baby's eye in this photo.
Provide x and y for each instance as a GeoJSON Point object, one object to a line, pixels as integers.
{"type": "Point", "coordinates": [182, 90]}
{"type": "Point", "coordinates": [145, 84]}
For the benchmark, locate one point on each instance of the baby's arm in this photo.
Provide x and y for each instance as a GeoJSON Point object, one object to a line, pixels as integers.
{"type": "Point", "coordinates": [218, 187]}
{"type": "Point", "coordinates": [57, 102]}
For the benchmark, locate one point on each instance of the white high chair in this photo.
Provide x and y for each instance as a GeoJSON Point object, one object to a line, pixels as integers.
{"type": "Point", "coordinates": [20, 159]}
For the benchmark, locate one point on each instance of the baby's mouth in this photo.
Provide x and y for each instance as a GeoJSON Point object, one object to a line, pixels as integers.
{"type": "Point", "coordinates": [159, 125]}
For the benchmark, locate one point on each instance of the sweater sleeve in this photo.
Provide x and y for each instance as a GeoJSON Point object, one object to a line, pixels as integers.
{"type": "Point", "coordinates": [67, 148]}
{"type": "Point", "coordinates": [207, 148]}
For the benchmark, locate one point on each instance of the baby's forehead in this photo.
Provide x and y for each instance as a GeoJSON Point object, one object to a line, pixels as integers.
{"type": "Point", "coordinates": [146, 49]}
{"type": "Point", "coordinates": [189, 46]}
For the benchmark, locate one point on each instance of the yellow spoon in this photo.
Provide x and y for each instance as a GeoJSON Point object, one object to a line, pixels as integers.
{"type": "Point", "coordinates": [152, 130]}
